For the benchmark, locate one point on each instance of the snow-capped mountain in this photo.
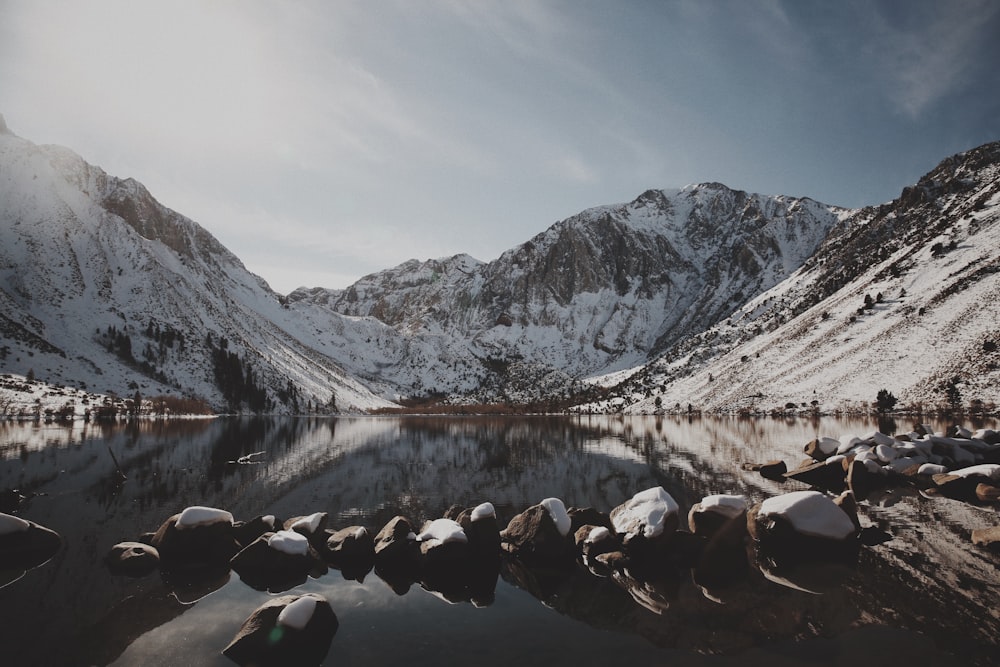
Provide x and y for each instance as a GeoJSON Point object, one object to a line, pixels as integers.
{"type": "Point", "coordinates": [703, 295]}
{"type": "Point", "coordinates": [903, 297]}
{"type": "Point", "coordinates": [601, 291]}
{"type": "Point", "coordinates": [102, 286]}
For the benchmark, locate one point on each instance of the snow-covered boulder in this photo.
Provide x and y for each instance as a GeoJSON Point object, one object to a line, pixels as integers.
{"type": "Point", "coordinates": [351, 549]}
{"type": "Point", "coordinates": [25, 544]}
{"type": "Point", "coordinates": [442, 543]}
{"type": "Point", "coordinates": [646, 523]}
{"type": "Point", "coordinates": [592, 541]}
{"type": "Point", "coordinates": [822, 448]}
{"type": "Point", "coordinates": [133, 559]}
{"type": "Point", "coordinates": [196, 537]}
{"type": "Point", "coordinates": [803, 524]}
{"type": "Point", "coordinates": [481, 527]}
{"type": "Point", "coordinates": [540, 533]}
{"type": "Point", "coordinates": [288, 630]}
{"type": "Point", "coordinates": [313, 526]}
{"type": "Point", "coordinates": [716, 511]}
{"type": "Point", "coordinates": [277, 561]}
{"type": "Point", "coordinates": [962, 483]}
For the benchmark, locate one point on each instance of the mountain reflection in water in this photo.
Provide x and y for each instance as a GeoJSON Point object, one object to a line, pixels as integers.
{"type": "Point", "coordinates": [921, 590]}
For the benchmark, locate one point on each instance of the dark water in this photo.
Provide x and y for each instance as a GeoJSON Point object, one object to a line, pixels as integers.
{"type": "Point", "coordinates": [924, 593]}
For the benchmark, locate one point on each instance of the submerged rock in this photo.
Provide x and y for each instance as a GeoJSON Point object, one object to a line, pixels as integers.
{"type": "Point", "coordinates": [289, 630]}
{"type": "Point", "coordinates": [196, 537]}
{"type": "Point", "coordinates": [540, 533]}
{"type": "Point", "coordinates": [133, 559]}
{"type": "Point", "coordinates": [277, 561]}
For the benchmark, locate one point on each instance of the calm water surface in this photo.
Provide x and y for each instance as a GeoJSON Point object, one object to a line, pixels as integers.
{"type": "Point", "coordinates": [922, 592]}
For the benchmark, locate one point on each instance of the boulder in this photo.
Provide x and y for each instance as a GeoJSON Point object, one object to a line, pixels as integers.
{"type": "Point", "coordinates": [396, 542]}
{"type": "Point", "coordinates": [351, 548]}
{"type": "Point", "coordinates": [827, 474]}
{"type": "Point", "coordinates": [25, 544]}
{"type": "Point", "coordinates": [277, 561]}
{"type": "Point", "coordinates": [592, 541]}
{"type": "Point", "coordinates": [987, 537]}
{"type": "Point", "coordinates": [312, 526]}
{"type": "Point", "coordinates": [646, 523]}
{"type": "Point", "coordinates": [289, 630]}
{"type": "Point", "coordinates": [133, 559]}
{"type": "Point", "coordinates": [442, 544]}
{"type": "Point", "coordinates": [774, 470]}
{"type": "Point", "coordinates": [540, 533]}
{"type": "Point", "coordinates": [716, 511]}
{"type": "Point", "coordinates": [821, 449]}
{"type": "Point", "coordinates": [196, 537]}
{"type": "Point", "coordinates": [246, 532]}
{"type": "Point", "coordinates": [481, 527]}
{"type": "Point", "coordinates": [802, 525]}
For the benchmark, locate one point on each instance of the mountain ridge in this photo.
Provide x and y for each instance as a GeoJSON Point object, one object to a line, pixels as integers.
{"type": "Point", "coordinates": [95, 274]}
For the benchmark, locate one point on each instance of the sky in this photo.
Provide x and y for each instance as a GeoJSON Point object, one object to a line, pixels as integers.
{"type": "Point", "coordinates": [324, 140]}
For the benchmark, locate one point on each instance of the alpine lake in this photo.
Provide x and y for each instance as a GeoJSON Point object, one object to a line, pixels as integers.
{"type": "Point", "coordinates": [919, 592]}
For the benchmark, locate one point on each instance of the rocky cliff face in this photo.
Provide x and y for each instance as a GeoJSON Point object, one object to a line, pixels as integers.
{"type": "Point", "coordinates": [902, 296]}
{"type": "Point", "coordinates": [604, 290]}
{"type": "Point", "coordinates": [681, 290]}
{"type": "Point", "coordinates": [102, 286]}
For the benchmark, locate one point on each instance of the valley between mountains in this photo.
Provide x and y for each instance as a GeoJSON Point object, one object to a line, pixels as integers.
{"type": "Point", "coordinates": [702, 298]}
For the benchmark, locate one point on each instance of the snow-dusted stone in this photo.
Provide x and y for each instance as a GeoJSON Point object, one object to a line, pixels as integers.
{"type": "Point", "coordinates": [196, 537]}
{"type": "Point", "coordinates": [646, 524]}
{"type": "Point", "coordinates": [442, 543]}
{"type": "Point", "coordinates": [313, 526]}
{"type": "Point", "coordinates": [133, 559]}
{"type": "Point", "coordinates": [481, 527]}
{"type": "Point", "coordinates": [535, 534]}
{"type": "Point", "coordinates": [806, 524]}
{"type": "Point", "coordinates": [25, 544]}
{"type": "Point", "coordinates": [774, 470]}
{"type": "Point", "coordinates": [592, 541]}
{"type": "Point", "coordinates": [248, 531]}
{"type": "Point", "coordinates": [987, 435]}
{"type": "Point", "coordinates": [351, 549]}
{"type": "Point", "coordinates": [715, 511]}
{"type": "Point", "coordinates": [822, 448]}
{"type": "Point", "coordinates": [277, 561]}
{"type": "Point", "coordinates": [648, 514]}
{"type": "Point", "coordinates": [961, 484]}
{"type": "Point", "coordinates": [288, 630]}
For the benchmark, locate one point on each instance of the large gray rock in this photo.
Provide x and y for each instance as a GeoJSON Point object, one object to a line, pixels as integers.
{"type": "Point", "coordinates": [289, 630]}
{"type": "Point", "coordinates": [536, 535]}
{"type": "Point", "coordinates": [197, 537]}
{"type": "Point", "coordinates": [25, 544]}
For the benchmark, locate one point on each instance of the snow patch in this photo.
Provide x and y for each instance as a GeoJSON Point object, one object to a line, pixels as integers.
{"type": "Point", "coordinates": [727, 505]}
{"type": "Point", "coordinates": [557, 510]}
{"type": "Point", "coordinates": [810, 513]}
{"type": "Point", "coordinates": [648, 510]}
{"type": "Point", "coordinates": [298, 613]}
{"type": "Point", "coordinates": [202, 516]}
{"type": "Point", "coordinates": [442, 531]}
{"type": "Point", "coordinates": [309, 523]}
{"type": "Point", "coordinates": [289, 542]}
{"type": "Point", "coordinates": [484, 511]}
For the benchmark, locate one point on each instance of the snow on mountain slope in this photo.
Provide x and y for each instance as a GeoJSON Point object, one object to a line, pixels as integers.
{"type": "Point", "coordinates": [102, 286]}
{"type": "Point", "coordinates": [601, 291]}
{"type": "Point", "coordinates": [903, 296]}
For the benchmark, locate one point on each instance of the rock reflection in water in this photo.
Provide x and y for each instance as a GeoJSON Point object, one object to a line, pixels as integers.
{"type": "Point", "coordinates": [924, 579]}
